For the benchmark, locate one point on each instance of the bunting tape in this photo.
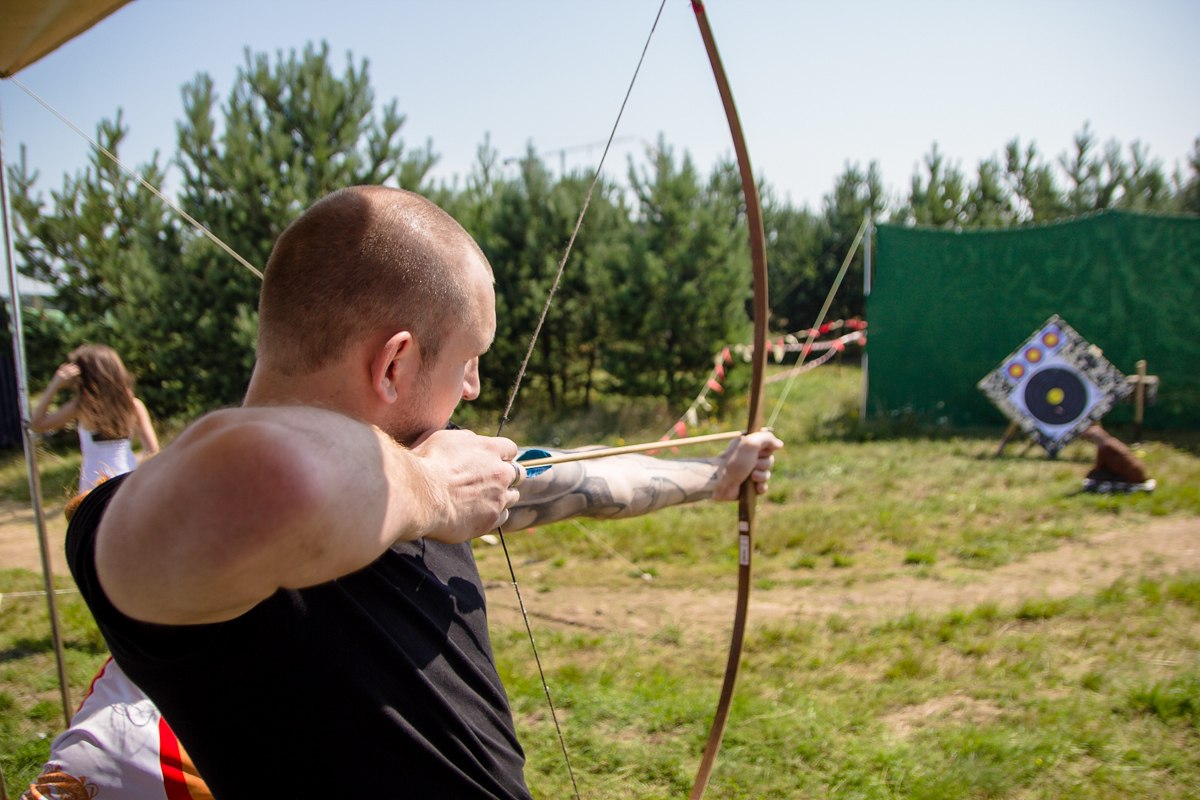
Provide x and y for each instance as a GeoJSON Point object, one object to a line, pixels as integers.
{"type": "Point", "coordinates": [789, 343]}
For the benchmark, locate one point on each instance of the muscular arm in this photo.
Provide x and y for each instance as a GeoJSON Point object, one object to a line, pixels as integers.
{"type": "Point", "coordinates": [631, 485]}
{"type": "Point", "coordinates": [248, 501]}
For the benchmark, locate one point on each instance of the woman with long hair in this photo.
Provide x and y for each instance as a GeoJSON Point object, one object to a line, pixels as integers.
{"type": "Point", "coordinates": [107, 411]}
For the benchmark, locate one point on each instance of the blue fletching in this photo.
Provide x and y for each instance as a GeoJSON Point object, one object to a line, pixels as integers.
{"type": "Point", "coordinates": [531, 454]}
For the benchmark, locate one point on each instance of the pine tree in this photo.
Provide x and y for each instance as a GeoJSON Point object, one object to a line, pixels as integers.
{"type": "Point", "coordinates": [108, 245]}
{"type": "Point", "coordinates": [292, 131]}
{"type": "Point", "coordinates": [795, 239]}
{"type": "Point", "coordinates": [523, 226]}
{"type": "Point", "coordinates": [684, 288]}
{"type": "Point", "coordinates": [1035, 194]}
{"type": "Point", "coordinates": [1188, 192]}
{"type": "Point", "coordinates": [938, 200]}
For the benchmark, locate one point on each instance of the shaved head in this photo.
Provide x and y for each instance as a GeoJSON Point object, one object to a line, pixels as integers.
{"type": "Point", "coordinates": [362, 261]}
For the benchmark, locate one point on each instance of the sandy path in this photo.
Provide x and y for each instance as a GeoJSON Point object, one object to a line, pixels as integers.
{"type": "Point", "coordinates": [18, 537]}
{"type": "Point", "coordinates": [1162, 546]}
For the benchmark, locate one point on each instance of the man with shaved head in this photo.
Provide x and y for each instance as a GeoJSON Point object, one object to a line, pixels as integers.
{"type": "Point", "coordinates": [292, 581]}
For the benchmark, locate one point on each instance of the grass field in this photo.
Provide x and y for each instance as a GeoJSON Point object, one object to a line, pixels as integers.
{"type": "Point", "coordinates": [981, 681]}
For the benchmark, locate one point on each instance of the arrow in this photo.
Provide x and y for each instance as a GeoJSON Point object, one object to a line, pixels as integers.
{"type": "Point", "coordinates": [603, 452]}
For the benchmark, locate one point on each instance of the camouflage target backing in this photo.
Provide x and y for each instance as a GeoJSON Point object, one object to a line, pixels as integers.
{"type": "Point", "coordinates": [1055, 385]}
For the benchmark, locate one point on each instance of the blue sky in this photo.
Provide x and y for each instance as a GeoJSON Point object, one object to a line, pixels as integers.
{"type": "Point", "coordinates": [818, 84]}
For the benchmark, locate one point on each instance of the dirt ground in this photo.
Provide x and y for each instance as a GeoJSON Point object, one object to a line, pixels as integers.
{"type": "Point", "coordinates": [1165, 545]}
{"type": "Point", "coordinates": [1162, 546]}
{"type": "Point", "coordinates": [18, 537]}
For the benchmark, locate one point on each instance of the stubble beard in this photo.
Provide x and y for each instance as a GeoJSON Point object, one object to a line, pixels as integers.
{"type": "Point", "coordinates": [411, 424]}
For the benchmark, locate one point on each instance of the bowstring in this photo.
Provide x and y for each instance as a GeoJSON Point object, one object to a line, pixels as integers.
{"type": "Point", "coordinates": [148, 186]}
{"type": "Point", "coordinates": [578, 222]}
{"type": "Point", "coordinates": [521, 375]}
{"type": "Point", "coordinates": [812, 332]}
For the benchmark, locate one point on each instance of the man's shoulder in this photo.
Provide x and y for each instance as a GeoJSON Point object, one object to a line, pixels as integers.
{"type": "Point", "coordinates": [224, 466]}
{"type": "Point", "coordinates": [236, 485]}
{"type": "Point", "coordinates": [237, 440]}
{"type": "Point", "coordinates": [214, 423]}
{"type": "Point", "coordinates": [276, 424]}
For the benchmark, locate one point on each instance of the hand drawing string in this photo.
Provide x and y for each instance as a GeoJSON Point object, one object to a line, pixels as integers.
{"type": "Point", "coordinates": [140, 180]}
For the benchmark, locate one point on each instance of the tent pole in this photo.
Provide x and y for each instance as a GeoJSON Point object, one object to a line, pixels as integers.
{"type": "Point", "coordinates": [35, 483]}
{"type": "Point", "coordinates": [862, 404]}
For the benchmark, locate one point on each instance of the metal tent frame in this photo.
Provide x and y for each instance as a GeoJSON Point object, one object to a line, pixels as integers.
{"type": "Point", "coordinates": [33, 29]}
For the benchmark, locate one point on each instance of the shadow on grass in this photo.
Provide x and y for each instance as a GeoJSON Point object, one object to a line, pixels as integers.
{"type": "Point", "coordinates": [27, 646]}
{"type": "Point", "coordinates": [24, 647]}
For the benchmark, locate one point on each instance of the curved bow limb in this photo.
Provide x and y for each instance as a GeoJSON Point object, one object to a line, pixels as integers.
{"type": "Point", "coordinates": [747, 499]}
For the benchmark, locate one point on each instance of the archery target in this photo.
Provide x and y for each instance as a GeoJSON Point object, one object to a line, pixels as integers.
{"type": "Point", "coordinates": [1055, 385]}
{"type": "Point", "coordinates": [1056, 396]}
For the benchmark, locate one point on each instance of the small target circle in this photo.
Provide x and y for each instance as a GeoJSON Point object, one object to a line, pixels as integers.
{"type": "Point", "coordinates": [1016, 370]}
{"type": "Point", "coordinates": [1051, 339]}
{"type": "Point", "coordinates": [1055, 396]}
{"type": "Point", "coordinates": [1033, 355]}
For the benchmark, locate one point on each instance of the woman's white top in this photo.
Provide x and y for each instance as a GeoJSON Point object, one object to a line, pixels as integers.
{"type": "Point", "coordinates": [103, 459]}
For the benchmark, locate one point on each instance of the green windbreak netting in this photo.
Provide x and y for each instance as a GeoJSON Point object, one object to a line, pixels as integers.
{"type": "Point", "coordinates": [947, 307]}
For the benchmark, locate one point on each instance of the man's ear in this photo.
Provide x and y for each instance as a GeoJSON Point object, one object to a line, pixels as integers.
{"type": "Point", "coordinates": [395, 366]}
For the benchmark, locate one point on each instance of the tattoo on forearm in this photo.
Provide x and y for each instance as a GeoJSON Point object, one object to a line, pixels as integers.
{"type": "Point", "coordinates": [622, 486]}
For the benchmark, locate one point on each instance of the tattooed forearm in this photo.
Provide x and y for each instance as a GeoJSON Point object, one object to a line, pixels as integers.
{"type": "Point", "coordinates": [610, 488]}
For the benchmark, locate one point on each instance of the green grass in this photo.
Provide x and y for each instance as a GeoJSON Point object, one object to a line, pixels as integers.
{"type": "Point", "coordinates": [30, 706]}
{"type": "Point", "coordinates": [1065, 702]}
{"type": "Point", "coordinates": [1094, 695]}
{"type": "Point", "coordinates": [58, 465]}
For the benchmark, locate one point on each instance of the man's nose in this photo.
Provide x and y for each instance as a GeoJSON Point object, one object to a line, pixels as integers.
{"type": "Point", "coordinates": [471, 380]}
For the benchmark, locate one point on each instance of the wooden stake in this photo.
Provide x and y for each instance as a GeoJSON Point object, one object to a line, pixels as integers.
{"type": "Point", "coordinates": [1012, 428]}
{"type": "Point", "coordinates": [1139, 401]}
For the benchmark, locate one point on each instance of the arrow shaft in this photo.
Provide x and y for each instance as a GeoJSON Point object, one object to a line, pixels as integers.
{"type": "Point", "coordinates": [585, 455]}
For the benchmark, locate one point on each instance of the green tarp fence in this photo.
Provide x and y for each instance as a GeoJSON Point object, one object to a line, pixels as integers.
{"type": "Point", "coordinates": [946, 307]}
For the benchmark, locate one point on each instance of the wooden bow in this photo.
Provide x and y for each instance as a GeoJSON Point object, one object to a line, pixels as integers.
{"type": "Point", "coordinates": [748, 497]}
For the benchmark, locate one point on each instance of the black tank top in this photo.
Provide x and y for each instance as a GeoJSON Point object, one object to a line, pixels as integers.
{"type": "Point", "coordinates": [380, 683]}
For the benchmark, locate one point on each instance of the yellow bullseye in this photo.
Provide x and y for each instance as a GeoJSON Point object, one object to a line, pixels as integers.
{"type": "Point", "coordinates": [1055, 396]}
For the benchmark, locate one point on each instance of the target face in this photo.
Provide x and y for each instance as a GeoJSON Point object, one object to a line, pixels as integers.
{"type": "Point", "coordinates": [1055, 385]}
{"type": "Point", "coordinates": [1056, 396]}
